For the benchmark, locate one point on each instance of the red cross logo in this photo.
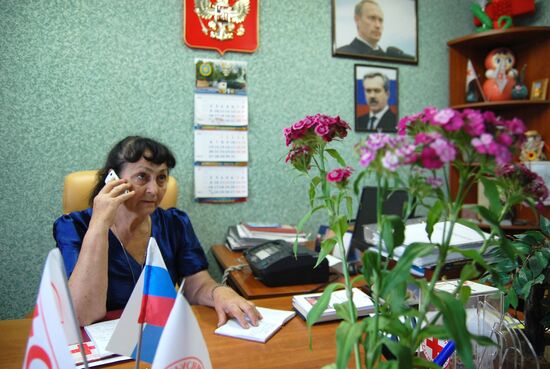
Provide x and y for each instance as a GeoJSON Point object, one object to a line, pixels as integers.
{"type": "Point", "coordinates": [88, 347]}
{"type": "Point", "coordinates": [432, 347]}
{"type": "Point", "coordinates": [433, 343]}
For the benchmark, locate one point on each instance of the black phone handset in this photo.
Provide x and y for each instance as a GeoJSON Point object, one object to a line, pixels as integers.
{"type": "Point", "coordinates": [275, 264]}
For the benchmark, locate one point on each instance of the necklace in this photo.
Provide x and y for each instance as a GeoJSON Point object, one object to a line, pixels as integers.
{"type": "Point", "coordinates": [115, 232]}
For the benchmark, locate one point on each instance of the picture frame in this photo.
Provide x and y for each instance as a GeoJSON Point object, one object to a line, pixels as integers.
{"type": "Point", "coordinates": [538, 89]}
{"type": "Point", "coordinates": [376, 98]}
{"type": "Point", "coordinates": [396, 37]}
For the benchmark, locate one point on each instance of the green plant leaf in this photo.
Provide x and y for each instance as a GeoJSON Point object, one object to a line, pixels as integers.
{"type": "Point", "coordinates": [512, 298]}
{"type": "Point", "coordinates": [357, 184]}
{"type": "Point", "coordinates": [349, 206]}
{"type": "Point", "coordinates": [544, 225]}
{"type": "Point", "coordinates": [326, 248]}
{"type": "Point", "coordinates": [488, 216]}
{"type": "Point", "coordinates": [419, 362]}
{"type": "Point", "coordinates": [491, 192]}
{"type": "Point", "coordinates": [483, 340]}
{"type": "Point", "coordinates": [433, 217]}
{"type": "Point", "coordinates": [454, 318]}
{"type": "Point", "coordinates": [471, 254]}
{"type": "Point", "coordinates": [472, 225]}
{"type": "Point", "coordinates": [371, 266]}
{"type": "Point", "coordinates": [311, 194]}
{"type": "Point", "coordinates": [307, 217]}
{"type": "Point", "coordinates": [537, 262]}
{"type": "Point", "coordinates": [468, 272]}
{"type": "Point", "coordinates": [347, 335]}
{"type": "Point", "coordinates": [336, 155]}
{"type": "Point", "coordinates": [507, 247]}
{"type": "Point", "coordinates": [321, 304]}
{"type": "Point", "coordinates": [358, 278]}
{"type": "Point", "coordinates": [343, 312]}
{"type": "Point", "coordinates": [393, 232]}
{"type": "Point", "coordinates": [401, 271]}
{"type": "Point", "coordinates": [526, 289]}
{"type": "Point", "coordinates": [402, 353]}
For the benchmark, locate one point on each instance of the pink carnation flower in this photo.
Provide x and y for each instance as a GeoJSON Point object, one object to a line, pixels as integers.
{"type": "Point", "coordinates": [444, 149]}
{"type": "Point", "coordinates": [339, 175]}
{"type": "Point", "coordinates": [430, 159]}
{"type": "Point", "coordinates": [444, 116]}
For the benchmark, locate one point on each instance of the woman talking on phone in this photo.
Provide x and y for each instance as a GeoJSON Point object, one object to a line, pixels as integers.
{"type": "Point", "coordinates": [104, 246]}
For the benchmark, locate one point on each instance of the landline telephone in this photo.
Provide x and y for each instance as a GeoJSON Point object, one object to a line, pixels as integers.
{"type": "Point", "coordinates": [275, 264]}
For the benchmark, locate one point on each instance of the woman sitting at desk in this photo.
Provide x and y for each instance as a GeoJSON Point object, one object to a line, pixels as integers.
{"type": "Point", "coordinates": [104, 246]}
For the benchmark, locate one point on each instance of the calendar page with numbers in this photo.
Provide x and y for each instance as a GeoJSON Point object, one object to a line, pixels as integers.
{"type": "Point", "coordinates": [221, 145]}
{"type": "Point", "coordinates": [225, 181]}
{"type": "Point", "coordinates": [221, 110]}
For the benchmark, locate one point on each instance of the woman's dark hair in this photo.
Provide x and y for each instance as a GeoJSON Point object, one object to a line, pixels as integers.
{"type": "Point", "coordinates": [130, 150]}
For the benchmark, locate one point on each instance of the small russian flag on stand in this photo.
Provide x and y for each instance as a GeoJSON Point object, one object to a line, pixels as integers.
{"type": "Point", "coordinates": [150, 304]}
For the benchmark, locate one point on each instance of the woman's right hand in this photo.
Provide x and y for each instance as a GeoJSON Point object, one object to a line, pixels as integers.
{"type": "Point", "coordinates": [107, 201]}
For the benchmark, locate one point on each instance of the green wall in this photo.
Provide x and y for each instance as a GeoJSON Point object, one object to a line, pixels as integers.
{"type": "Point", "coordinates": [76, 76]}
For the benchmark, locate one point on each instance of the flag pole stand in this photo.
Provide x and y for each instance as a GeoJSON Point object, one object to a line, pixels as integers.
{"type": "Point", "coordinates": [79, 335]}
{"type": "Point", "coordinates": [138, 353]}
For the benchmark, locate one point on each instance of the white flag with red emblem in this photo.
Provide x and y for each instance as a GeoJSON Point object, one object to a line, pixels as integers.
{"type": "Point", "coordinates": [182, 344]}
{"type": "Point", "coordinates": [54, 324]}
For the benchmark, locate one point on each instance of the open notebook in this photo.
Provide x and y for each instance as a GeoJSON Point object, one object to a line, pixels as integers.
{"type": "Point", "coordinates": [272, 321]}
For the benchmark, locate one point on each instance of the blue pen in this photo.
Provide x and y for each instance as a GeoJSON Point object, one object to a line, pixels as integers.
{"type": "Point", "coordinates": [445, 353]}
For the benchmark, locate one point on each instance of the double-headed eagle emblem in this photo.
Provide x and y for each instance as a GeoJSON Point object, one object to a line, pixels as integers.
{"type": "Point", "coordinates": [223, 20]}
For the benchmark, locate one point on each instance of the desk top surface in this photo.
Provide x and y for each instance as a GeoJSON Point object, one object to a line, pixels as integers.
{"type": "Point", "coordinates": [288, 348]}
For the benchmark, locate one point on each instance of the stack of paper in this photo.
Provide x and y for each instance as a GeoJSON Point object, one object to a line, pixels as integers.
{"type": "Point", "coordinates": [462, 237]}
{"type": "Point", "coordinates": [246, 235]}
{"type": "Point", "coordinates": [95, 341]}
{"type": "Point", "coordinates": [304, 303]}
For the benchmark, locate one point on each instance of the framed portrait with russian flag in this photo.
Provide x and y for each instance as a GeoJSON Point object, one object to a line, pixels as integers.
{"type": "Point", "coordinates": [221, 25]}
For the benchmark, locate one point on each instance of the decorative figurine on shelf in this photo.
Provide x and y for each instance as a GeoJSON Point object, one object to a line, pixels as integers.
{"type": "Point", "coordinates": [531, 149]}
{"type": "Point", "coordinates": [500, 74]}
{"type": "Point", "coordinates": [498, 14]}
{"type": "Point", "coordinates": [474, 91]}
{"type": "Point", "coordinates": [519, 92]}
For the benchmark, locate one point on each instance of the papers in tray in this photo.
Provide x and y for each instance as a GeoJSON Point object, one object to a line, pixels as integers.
{"type": "Point", "coordinates": [241, 236]}
{"type": "Point", "coordinates": [462, 237]}
{"type": "Point", "coordinates": [95, 339]}
{"type": "Point", "coordinates": [304, 303]}
{"type": "Point", "coordinates": [272, 321]}
{"type": "Point", "coordinates": [287, 233]}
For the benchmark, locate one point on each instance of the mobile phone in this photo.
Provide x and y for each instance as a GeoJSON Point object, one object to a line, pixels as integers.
{"type": "Point", "coordinates": [111, 176]}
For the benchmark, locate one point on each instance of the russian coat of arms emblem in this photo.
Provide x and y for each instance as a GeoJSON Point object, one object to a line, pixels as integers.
{"type": "Point", "coordinates": [221, 24]}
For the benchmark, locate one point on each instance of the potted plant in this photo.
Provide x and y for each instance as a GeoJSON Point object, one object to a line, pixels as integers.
{"type": "Point", "coordinates": [475, 144]}
{"type": "Point", "coordinates": [527, 277]}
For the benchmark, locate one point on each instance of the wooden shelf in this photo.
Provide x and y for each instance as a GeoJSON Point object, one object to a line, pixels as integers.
{"type": "Point", "coordinates": [498, 105]}
{"type": "Point", "coordinates": [501, 37]}
{"type": "Point", "coordinates": [531, 47]}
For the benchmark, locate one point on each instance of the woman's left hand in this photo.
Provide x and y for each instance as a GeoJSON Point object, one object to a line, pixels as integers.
{"type": "Point", "coordinates": [201, 289]}
{"type": "Point", "coordinates": [229, 304]}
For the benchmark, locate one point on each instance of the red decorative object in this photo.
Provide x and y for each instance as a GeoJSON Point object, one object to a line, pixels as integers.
{"type": "Point", "coordinates": [500, 75]}
{"type": "Point", "coordinates": [498, 8]}
{"type": "Point", "coordinates": [222, 25]}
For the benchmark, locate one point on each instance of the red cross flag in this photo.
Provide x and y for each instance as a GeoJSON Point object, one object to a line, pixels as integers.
{"type": "Point", "coordinates": [431, 347]}
{"type": "Point", "coordinates": [54, 324]}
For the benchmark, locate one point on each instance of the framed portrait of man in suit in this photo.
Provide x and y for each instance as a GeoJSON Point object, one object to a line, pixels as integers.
{"type": "Point", "coordinates": [376, 98]}
{"type": "Point", "coordinates": [383, 30]}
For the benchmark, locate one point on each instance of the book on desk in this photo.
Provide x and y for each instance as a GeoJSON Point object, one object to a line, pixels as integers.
{"type": "Point", "coordinates": [304, 303]}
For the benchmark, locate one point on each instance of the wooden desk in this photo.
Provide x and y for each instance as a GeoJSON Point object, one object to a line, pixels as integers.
{"type": "Point", "coordinates": [288, 348]}
{"type": "Point", "coordinates": [248, 286]}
